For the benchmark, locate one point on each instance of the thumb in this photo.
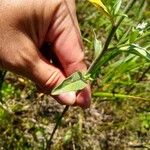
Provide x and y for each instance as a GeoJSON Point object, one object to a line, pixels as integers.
{"type": "Point", "coordinates": [47, 77]}
{"type": "Point", "coordinates": [29, 62]}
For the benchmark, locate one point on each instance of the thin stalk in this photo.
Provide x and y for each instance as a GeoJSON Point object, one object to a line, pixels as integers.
{"type": "Point", "coordinates": [95, 65]}
{"type": "Point", "coordinates": [49, 142]}
{"type": "Point", "coordinates": [141, 9]}
{"type": "Point", "coordinates": [121, 96]}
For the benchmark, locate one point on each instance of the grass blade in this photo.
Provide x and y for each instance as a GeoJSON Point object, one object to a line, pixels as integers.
{"type": "Point", "coordinates": [121, 96]}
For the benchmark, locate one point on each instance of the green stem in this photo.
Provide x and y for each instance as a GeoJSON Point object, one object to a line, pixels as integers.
{"type": "Point", "coordinates": [122, 96]}
{"type": "Point", "coordinates": [95, 65]}
{"type": "Point", "coordinates": [49, 142]}
{"type": "Point", "coordinates": [141, 9]}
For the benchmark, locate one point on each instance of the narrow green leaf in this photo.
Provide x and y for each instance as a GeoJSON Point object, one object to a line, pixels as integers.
{"type": "Point", "coordinates": [122, 96]}
{"type": "Point", "coordinates": [97, 46]}
{"type": "Point", "coordinates": [73, 83]}
{"type": "Point", "coordinates": [105, 59]}
{"type": "Point", "coordinates": [137, 50]}
{"type": "Point", "coordinates": [132, 49]}
{"type": "Point", "coordinates": [120, 67]}
{"type": "Point", "coordinates": [117, 6]}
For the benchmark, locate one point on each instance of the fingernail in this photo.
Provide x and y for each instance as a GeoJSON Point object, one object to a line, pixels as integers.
{"type": "Point", "coordinates": [68, 98]}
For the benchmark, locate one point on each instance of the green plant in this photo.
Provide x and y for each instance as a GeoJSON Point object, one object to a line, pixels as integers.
{"type": "Point", "coordinates": [119, 114]}
{"type": "Point", "coordinates": [127, 46]}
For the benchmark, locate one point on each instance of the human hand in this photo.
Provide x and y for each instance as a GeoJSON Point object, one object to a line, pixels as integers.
{"type": "Point", "coordinates": [25, 26]}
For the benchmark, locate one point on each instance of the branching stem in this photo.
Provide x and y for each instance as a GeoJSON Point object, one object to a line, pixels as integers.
{"type": "Point", "coordinates": [95, 65]}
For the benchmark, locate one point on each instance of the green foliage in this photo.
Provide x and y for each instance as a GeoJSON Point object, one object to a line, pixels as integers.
{"type": "Point", "coordinates": [68, 136]}
{"type": "Point", "coordinates": [104, 54]}
{"type": "Point", "coordinates": [5, 117]}
{"type": "Point", "coordinates": [144, 119]}
{"type": "Point", "coordinates": [97, 46]}
{"type": "Point", "coordinates": [73, 83]}
{"type": "Point", "coordinates": [77, 80]}
{"type": "Point", "coordinates": [113, 6]}
{"type": "Point", "coordinates": [119, 114]}
{"type": "Point", "coordinates": [137, 50]}
{"type": "Point", "coordinates": [8, 90]}
{"type": "Point", "coordinates": [101, 57]}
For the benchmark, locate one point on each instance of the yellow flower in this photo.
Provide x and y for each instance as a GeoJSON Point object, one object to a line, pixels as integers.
{"type": "Point", "coordinates": [100, 6]}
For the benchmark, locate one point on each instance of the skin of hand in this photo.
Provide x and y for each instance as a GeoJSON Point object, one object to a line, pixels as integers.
{"type": "Point", "coordinates": [25, 25]}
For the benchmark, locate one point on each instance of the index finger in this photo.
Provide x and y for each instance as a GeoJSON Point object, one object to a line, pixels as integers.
{"type": "Point", "coordinates": [65, 36]}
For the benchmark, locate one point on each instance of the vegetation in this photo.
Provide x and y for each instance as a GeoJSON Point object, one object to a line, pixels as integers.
{"type": "Point", "coordinates": [116, 35]}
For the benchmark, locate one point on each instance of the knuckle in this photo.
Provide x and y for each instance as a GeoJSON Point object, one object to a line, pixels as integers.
{"type": "Point", "coordinates": [76, 64]}
{"type": "Point", "coordinates": [53, 79]}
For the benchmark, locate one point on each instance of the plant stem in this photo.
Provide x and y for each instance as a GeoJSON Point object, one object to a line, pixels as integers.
{"type": "Point", "coordinates": [95, 65]}
{"type": "Point", "coordinates": [122, 96]}
{"type": "Point", "coordinates": [49, 142]}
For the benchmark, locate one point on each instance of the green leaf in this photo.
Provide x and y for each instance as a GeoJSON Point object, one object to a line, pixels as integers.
{"type": "Point", "coordinates": [120, 67]}
{"type": "Point", "coordinates": [97, 46]}
{"type": "Point", "coordinates": [132, 49]}
{"type": "Point", "coordinates": [121, 96]}
{"type": "Point", "coordinates": [134, 34]}
{"type": "Point", "coordinates": [73, 83]}
{"type": "Point", "coordinates": [105, 59]}
{"type": "Point", "coordinates": [117, 6]}
{"type": "Point", "coordinates": [136, 49]}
